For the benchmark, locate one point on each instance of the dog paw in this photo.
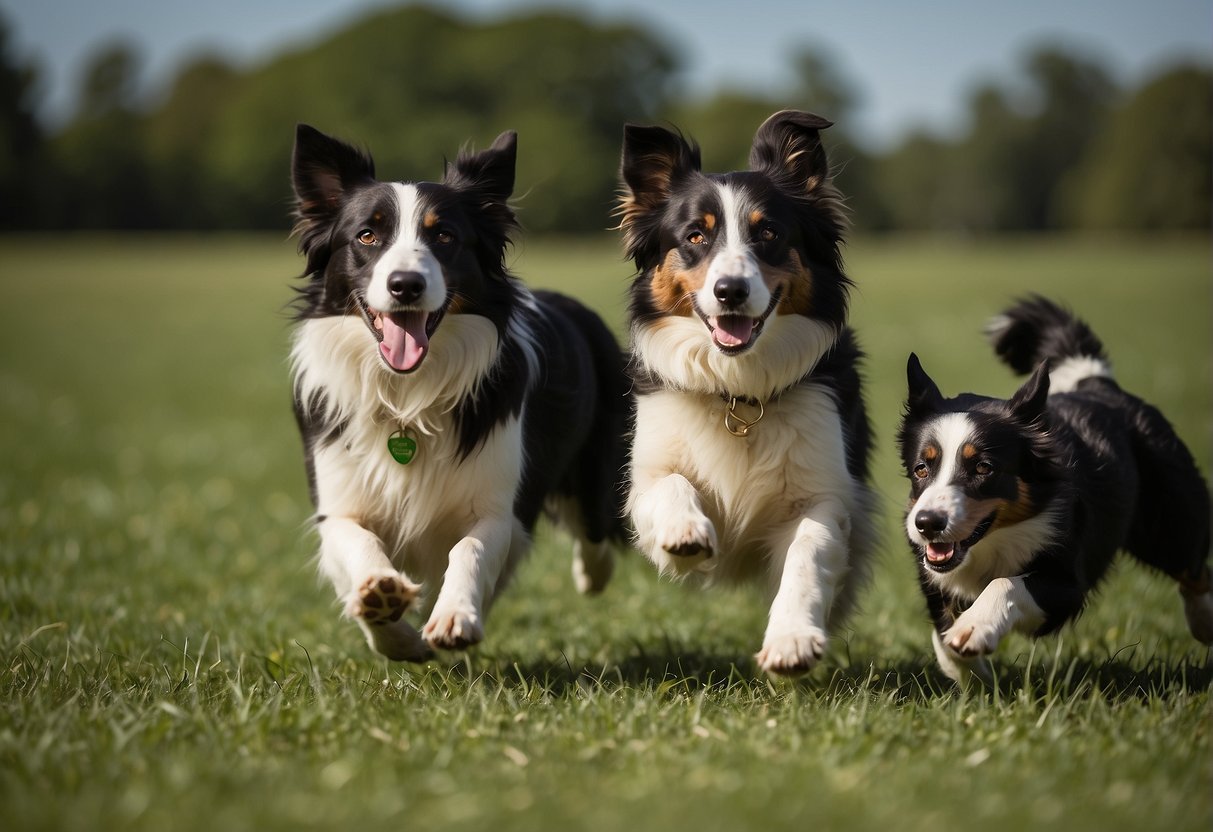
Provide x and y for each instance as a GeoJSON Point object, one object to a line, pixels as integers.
{"type": "Point", "coordinates": [969, 638]}
{"type": "Point", "coordinates": [687, 536]}
{"type": "Point", "coordinates": [593, 564]}
{"type": "Point", "coordinates": [1198, 610]}
{"type": "Point", "coordinates": [382, 599]}
{"type": "Point", "coordinates": [962, 670]}
{"type": "Point", "coordinates": [398, 641]}
{"type": "Point", "coordinates": [793, 653]}
{"type": "Point", "coordinates": [453, 629]}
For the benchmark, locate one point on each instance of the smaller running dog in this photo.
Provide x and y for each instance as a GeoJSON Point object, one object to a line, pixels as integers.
{"type": "Point", "coordinates": [1017, 507]}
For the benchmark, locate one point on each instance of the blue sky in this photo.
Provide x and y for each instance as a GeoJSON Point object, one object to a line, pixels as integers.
{"type": "Point", "coordinates": [913, 62]}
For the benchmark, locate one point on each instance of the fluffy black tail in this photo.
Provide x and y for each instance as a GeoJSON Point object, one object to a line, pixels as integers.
{"type": "Point", "coordinates": [1035, 329]}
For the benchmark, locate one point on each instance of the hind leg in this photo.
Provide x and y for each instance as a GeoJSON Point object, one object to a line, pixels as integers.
{"type": "Point", "coordinates": [1176, 543]}
{"type": "Point", "coordinates": [1170, 530]}
{"type": "Point", "coordinates": [593, 565]}
{"type": "Point", "coordinates": [1197, 594]}
{"type": "Point", "coordinates": [1193, 577]}
{"type": "Point", "coordinates": [1178, 548]}
{"type": "Point", "coordinates": [593, 561]}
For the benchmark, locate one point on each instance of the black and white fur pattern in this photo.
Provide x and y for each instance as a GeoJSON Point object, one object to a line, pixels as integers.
{"type": "Point", "coordinates": [1018, 507]}
{"type": "Point", "coordinates": [738, 315]}
{"type": "Point", "coordinates": [409, 320]}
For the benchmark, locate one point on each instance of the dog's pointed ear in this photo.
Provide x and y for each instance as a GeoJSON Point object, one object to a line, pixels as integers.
{"type": "Point", "coordinates": [1028, 402]}
{"type": "Point", "coordinates": [489, 172]}
{"type": "Point", "coordinates": [924, 395]}
{"type": "Point", "coordinates": [787, 147]}
{"type": "Point", "coordinates": [653, 160]}
{"type": "Point", "coordinates": [323, 169]}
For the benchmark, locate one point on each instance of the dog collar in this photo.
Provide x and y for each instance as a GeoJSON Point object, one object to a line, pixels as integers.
{"type": "Point", "coordinates": [737, 424]}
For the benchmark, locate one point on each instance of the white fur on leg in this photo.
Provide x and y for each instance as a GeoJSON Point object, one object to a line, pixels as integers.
{"type": "Point", "coordinates": [812, 568]}
{"type": "Point", "coordinates": [475, 565]}
{"type": "Point", "coordinates": [1198, 610]}
{"type": "Point", "coordinates": [959, 669]}
{"type": "Point", "coordinates": [671, 527]}
{"type": "Point", "coordinates": [1004, 605]}
{"type": "Point", "coordinates": [397, 640]}
{"type": "Point", "coordinates": [593, 564]}
{"type": "Point", "coordinates": [372, 592]}
{"type": "Point", "coordinates": [350, 554]}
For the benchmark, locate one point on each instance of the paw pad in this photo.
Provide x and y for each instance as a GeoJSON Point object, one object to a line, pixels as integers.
{"type": "Point", "coordinates": [383, 599]}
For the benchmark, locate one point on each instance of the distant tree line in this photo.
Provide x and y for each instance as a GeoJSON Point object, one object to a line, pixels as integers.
{"type": "Point", "coordinates": [1061, 147]}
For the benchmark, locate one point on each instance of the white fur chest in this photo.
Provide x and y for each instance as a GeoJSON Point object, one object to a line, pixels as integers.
{"type": "Point", "coordinates": [429, 502]}
{"type": "Point", "coordinates": [751, 487]}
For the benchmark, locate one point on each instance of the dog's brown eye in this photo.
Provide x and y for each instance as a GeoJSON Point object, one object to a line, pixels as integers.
{"type": "Point", "coordinates": [921, 470]}
{"type": "Point", "coordinates": [696, 238]}
{"type": "Point", "coordinates": [367, 237]}
{"type": "Point", "coordinates": [768, 234]}
{"type": "Point", "coordinates": [444, 237]}
{"type": "Point", "coordinates": [984, 468]}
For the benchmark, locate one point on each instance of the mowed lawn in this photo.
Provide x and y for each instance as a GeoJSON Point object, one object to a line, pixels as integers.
{"type": "Point", "coordinates": [168, 659]}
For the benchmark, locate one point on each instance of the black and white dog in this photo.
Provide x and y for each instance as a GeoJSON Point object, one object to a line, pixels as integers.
{"type": "Point", "coordinates": [442, 404]}
{"type": "Point", "coordinates": [1017, 507]}
{"type": "Point", "coordinates": [751, 445]}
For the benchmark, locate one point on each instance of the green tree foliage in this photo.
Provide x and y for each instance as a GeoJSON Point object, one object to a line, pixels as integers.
{"type": "Point", "coordinates": [1152, 168]}
{"type": "Point", "coordinates": [178, 137]}
{"type": "Point", "coordinates": [20, 138]}
{"type": "Point", "coordinates": [725, 125]}
{"type": "Point", "coordinates": [1054, 147]}
{"type": "Point", "coordinates": [1008, 172]}
{"type": "Point", "coordinates": [414, 85]}
{"type": "Point", "coordinates": [100, 173]}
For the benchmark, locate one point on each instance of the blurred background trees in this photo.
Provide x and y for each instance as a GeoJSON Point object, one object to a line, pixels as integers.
{"type": "Point", "coordinates": [1059, 147]}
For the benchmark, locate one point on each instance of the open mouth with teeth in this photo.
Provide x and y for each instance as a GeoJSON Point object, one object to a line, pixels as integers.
{"type": "Point", "coordinates": [404, 337]}
{"type": "Point", "coordinates": [734, 334]}
{"type": "Point", "coordinates": [945, 555]}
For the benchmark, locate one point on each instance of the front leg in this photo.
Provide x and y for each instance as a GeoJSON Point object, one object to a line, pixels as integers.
{"type": "Point", "coordinates": [810, 570]}
{"type": "Point", "coordinates": [1005, 605]}
{"type": "Point", "coordinates": [373, 592]}
{"type": "Point", "coordinates": [475, 565]}
{"type": "Point", "coordinates": [671, 527]}
{"type": "Point", "coordinates": [943, 609]}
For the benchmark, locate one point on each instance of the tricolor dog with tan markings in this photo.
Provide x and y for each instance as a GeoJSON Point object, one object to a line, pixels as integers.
{"type": "Point", "coordinates": [1018, 507]}
{"type": "Point", "coordinates": [750, 456]}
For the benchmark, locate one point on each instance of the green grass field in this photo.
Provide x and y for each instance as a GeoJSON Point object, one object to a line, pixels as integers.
{"type": "Point", "coordinates": [168, 658]}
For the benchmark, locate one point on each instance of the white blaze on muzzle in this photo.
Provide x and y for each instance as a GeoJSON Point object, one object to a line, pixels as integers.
{"type": "Point", "coordinates": [733, 324]}
{"type": "Point", "coordinates": [945, 494]}
{"type": "Point", "coordinates": [404, 325]}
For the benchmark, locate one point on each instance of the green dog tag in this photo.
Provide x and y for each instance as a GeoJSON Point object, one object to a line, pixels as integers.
{"type": "Point", "coordinates": [402, 447]}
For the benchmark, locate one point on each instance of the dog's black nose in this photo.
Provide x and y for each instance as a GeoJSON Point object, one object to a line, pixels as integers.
{"type": "Point", "coordinates": [731, 291]}
{"type": "Point", "coordinates": [406, 287]}
{"type": "Point", "coordinates": [930, 522]}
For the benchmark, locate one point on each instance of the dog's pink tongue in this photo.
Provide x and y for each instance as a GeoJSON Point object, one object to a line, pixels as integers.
{"type": "Point", "coordinates": [404, 339]}
{"type": "Point", "coordinates": [732, 330]}
{"type": "Point", "coordinates": [940, 552]}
